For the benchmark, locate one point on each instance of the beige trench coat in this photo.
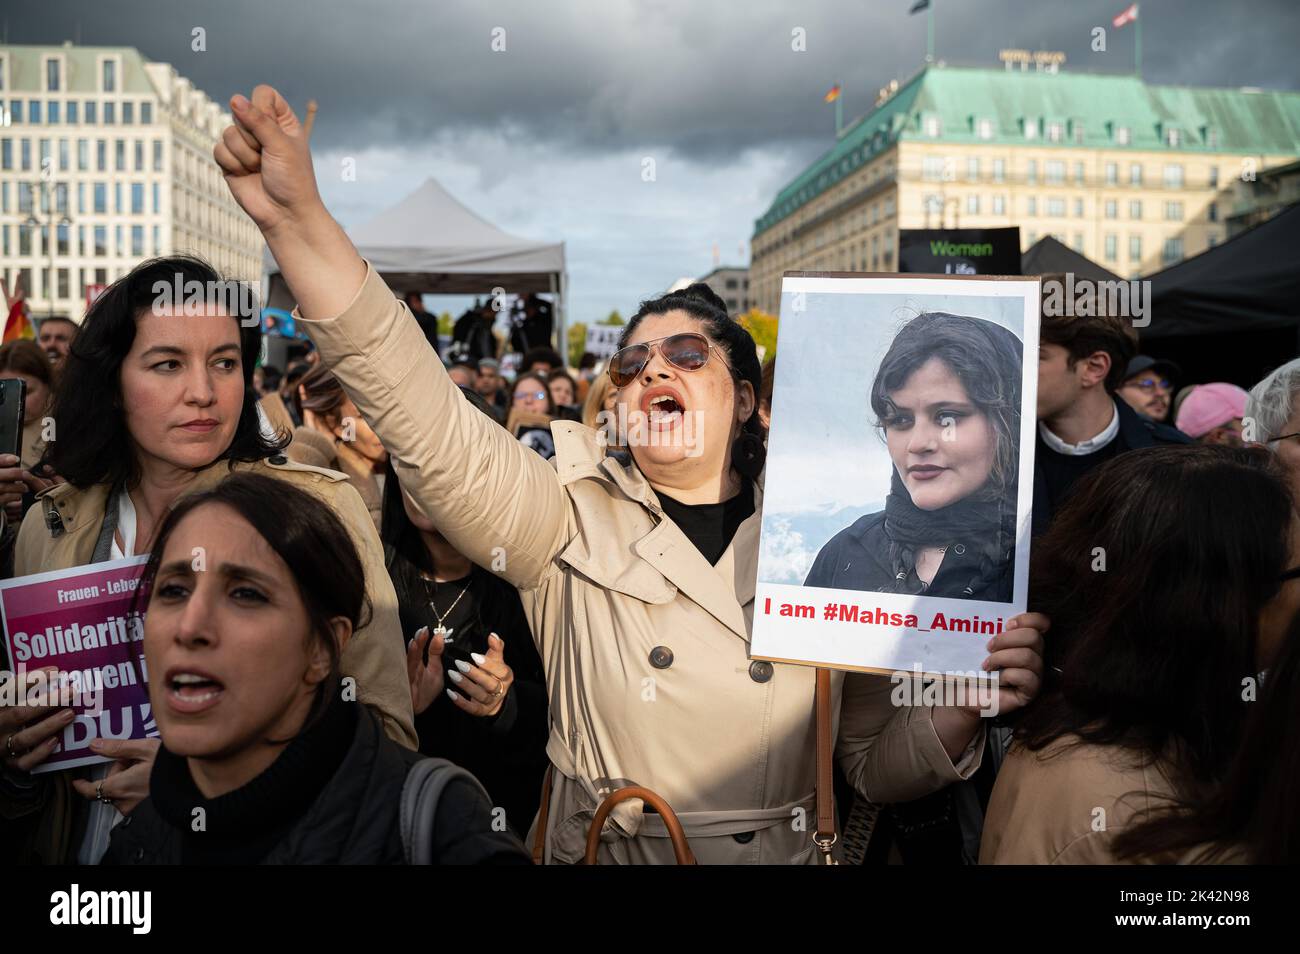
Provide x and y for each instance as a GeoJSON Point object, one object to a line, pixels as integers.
{"type": "Point", "coordinates": [606, 578]}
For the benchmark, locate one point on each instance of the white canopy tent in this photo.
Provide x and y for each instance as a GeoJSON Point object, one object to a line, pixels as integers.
{"type": "Point", "coordinates": [432, 244]}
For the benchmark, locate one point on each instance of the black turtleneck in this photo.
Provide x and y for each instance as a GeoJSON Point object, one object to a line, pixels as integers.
{"type": "Point", "coordinates": [711, 526]}
{"type": "Point", "coordinates": [241, 827]}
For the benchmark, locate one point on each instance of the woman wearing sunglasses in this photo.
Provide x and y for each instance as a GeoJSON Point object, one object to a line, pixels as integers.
{"type": "Point", "coordinates": [638, 581]}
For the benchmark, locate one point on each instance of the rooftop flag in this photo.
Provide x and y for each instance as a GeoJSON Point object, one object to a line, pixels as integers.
{"type": "Point", "coordinates": [1127, 16]}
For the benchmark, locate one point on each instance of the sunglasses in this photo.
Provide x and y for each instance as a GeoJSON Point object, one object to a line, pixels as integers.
{"type": "Point", "coordinates": [688, 351]}
{"type": "Point", "coordinates": [1149, 384]}
{"type": "Point", "coordinates": [538, 395]}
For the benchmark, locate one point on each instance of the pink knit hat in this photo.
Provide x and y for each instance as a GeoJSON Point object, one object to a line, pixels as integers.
{"type": "Point", "coordinates": [1209, 406]}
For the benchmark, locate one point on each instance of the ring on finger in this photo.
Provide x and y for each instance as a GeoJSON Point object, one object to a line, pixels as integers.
{"type": "Point", "coordinates": [10, 751]}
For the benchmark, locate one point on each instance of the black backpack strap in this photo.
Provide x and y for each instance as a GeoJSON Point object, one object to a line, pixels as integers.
{"type": "Point", "coordinates": [421, 793]}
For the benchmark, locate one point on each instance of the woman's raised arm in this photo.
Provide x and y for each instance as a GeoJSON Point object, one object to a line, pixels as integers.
{"type": "Point", "coordinates": [495, 500]}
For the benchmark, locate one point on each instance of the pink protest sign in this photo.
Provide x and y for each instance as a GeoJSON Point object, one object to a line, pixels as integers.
{"type": "Point", "coordinates": [88, 622]}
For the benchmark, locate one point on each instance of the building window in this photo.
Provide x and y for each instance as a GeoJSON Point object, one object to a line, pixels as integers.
{"type": "Point", "coordinates": [999, 205]}
{"type": "Point", "coordinates": [1031, 128]}
{"type": "Point", "coordinates": [6, 153]}
{"type": "Point", "coordinates": [1173, 176]}
{"type": "Point", "coordinates": [1214, 177]}
{"type": "Point", "coordinates": [1212, 212]}
{"type": "Point", "coordinates": [1135, 248]}
{"type": "Point", "coordinates": [101, 155]}
{"type": "Point", "coordinates": [101, 198]}
{"type": "Point", "coordinates": [81, 198]}
{"type": "Point", "coordinates": [1112, 248]}
{"type": "Point", "coordinates": [83, 155]}
{"type": "Point", "coordinates": [1123, 135]}
{"type": "Point", "coordinates": [137, 240]}
{"type": "Point", "coordinates": [137, 198]}
{"type": "Point", "coordinates": [120, 153]}
{"type": "Point", "coordinates": [933, 127]}
{"type": "Point", "coordinates": [128, 113]}
{"type": "Point", "coordinates": [101, 241]}
{"type": "Point", "coordinates": [1055, 172]}
{"type": "Point", "coordinates": [157, 201]}
{"type": "Point", "coordinates": [1173, 250]}
{"type": "Point", "coordinates": [26, 155]}
{"type": "Point", "coordinates": [1077, 128]}
{"type": "Point", "coordinates": [1055, 132]}
{"type": "Point", "coordinates": [1078, 208]}
{"type": "Point", "coordinates": [999, 170]}
{"type": "Point", "coordinates": [53, 70]}
{"type": "Point", "coordinates": [139, 155]}
{"type": "Point", "coordinates": [1031, 172]}
{"type": "Point", "coordinates": [1173, 137]}
{"type": "Point", "coordinates": [1135, 209]}
{"type": "Point", "coordinates": [62, 236]}
{"type": "Point", "coordinates": [53, 112]}
{"type": "Point", "coordinates": [109, 77]}
{"type": "Point", "coordinates": [1213, 241]}
{"type": "Point", "coordinates": [92, 112]}
{"type": "Point", "coordinates": [157, 155]}
{"type": "Point", "coordinates": [1173, 211]}
{"type": "Point", "coordinates": [72, 112]}
{"type": "Point", "coordinates": [24, 239]}
{"type": "Point", "coordinates": [61, 198]}
{"type": "Point", "coordinates": [110, 113]}
{"type": "Point", "coordinates": [984, 129]}
{"type": "Point", "coordinates": [1078, 242]}
{"type": "Point", "coordinates": [146, 113]}
{"type": "Point", "coordinates": [157, 240]}
{"type": "Point", "coordinates": [34, 111]}
{"type": "Point", "coordinates": [973, 205]}
{"type": "Point", "coordinates": [973, 168]}
{"type": "Point", "coordinates": [1112, 174]}
{"type": "Point", "coordinates": [932, 168]}
{"type": "Point", "coordinates": [1078, 173]}
{"type": "Point", "coordinates": [1112, 210]}
{"type": "Point", "coordinates": [119, 206]}
{"type": "Point", "coordinates": [1056, 208]}
{"type": "Point", "coordinates": [65, 164]}
{"type": "Point", "coordinates": [1031, 206]}
{"type": "Point", "coordinates": [1135, 174]}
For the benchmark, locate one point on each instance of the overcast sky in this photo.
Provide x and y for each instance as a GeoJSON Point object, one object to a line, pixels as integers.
{"type": "Point", "coordinates": [547, 139]}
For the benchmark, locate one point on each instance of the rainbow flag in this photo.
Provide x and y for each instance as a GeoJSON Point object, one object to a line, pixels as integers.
{"type": "Point", "coordinates": [832, 94]}
{"type": "Point", "coordinates": [17, 325]}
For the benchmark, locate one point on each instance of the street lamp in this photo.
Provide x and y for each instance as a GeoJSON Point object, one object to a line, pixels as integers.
{"type": "Point", "coordinates": [51, 237]}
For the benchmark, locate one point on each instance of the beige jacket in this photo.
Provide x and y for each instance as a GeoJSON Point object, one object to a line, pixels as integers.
{"type": "Point", "coordinates": [1065, 804]}
{"type": "Point", "coordinates": [375, 655]}
{"type": "Point", "coordinates": [606, 578]}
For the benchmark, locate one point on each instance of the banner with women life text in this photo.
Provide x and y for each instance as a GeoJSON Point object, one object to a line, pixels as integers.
{"type": "Point", "coordinates": [896, 507]}
{"type": "Point", "coordinates": [85, 621]}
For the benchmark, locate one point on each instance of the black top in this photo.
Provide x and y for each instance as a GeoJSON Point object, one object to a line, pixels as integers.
{"type": "Point", "coordinates": [506, 752]}
{"type": "Point", "coordinates": [857, 558]}
{"type": "Point", "coordinates": [298, 813]}
{"type": "Point", "coordinates": [1055, 474]}
{"type": "Point", "coordinates": [711, 526]}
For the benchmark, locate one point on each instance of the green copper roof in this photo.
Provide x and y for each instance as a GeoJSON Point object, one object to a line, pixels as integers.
{"type": "Point", "coordinates": [80, 75]}
{"type": "Point", "coordinates": [1091, 109]}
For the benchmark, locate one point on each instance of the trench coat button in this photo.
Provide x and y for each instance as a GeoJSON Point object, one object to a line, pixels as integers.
{"type": "Point", "coordinates": [661, 657]}
{"type": "Point", "coordinates": [278, 459]}
{"type": "Point", "coordinates": [743, 837]}
{"type": "Point", "coordinates": [760, 670]}
{"type": "Point", "coordinates": [959, 549]}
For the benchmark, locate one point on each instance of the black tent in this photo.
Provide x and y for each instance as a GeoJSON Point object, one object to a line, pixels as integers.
{"type": "Point", "coordinates": [1231, 313]}
{"type": "Point", "coordinates": [1047, 256]}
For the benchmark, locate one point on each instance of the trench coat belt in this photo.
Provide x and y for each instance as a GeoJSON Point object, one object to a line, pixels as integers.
{"type": "Point", "coordinates": [702, 824]}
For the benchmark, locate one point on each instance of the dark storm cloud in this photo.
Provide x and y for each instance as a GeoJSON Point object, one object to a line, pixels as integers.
{"type": "Point", "coordinates": [706, 79]}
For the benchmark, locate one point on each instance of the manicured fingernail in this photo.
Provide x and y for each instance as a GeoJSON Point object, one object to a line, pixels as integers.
{"type": "Point", "coordinates": [421, 631]}
{"type": "Point", "coordinates": [455, 696]}
{"type": "Point", "coordinates": [455, 676]}
{"type": "Point", "coordinates": [239, 102]}
{"type": "Point", "coordinates": [67, 715]}
{"type": "Point", "coordinates": [478, 658]}
{"type": "Point", "coordinates": [464, 666]}
{"type": "Point", "coordinates": [498, 639]}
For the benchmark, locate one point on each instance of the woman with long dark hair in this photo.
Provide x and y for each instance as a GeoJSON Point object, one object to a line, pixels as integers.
{"type": "Point", "coordinates": [155, 402]}
{"type": "Point", "coordinates": [258, 740]}
{"type": "Point", "coordinates": [637, 580]}
{"type": "Point", "coordinates": [1253, 817]}
{"type": "Point", "coordinates": [476, 679]}
{"type": "Point", "coordinates": [947, 399]}
{"type": "Point", "coordinates": [1166, 581]}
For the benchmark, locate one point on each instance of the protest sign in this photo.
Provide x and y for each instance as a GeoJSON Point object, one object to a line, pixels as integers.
{"type": "Point", "coordinates": [959, 251]}
{"type": "Point", "coordinates": [602, 340]}
{"type": "Point", "coordinates": [899, 480]}
{"type": "Point", "coordinates": [88, 622]}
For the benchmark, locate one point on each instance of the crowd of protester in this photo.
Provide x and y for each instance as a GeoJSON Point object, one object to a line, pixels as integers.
{"type": "Point", "coordinates": [500, 582]}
